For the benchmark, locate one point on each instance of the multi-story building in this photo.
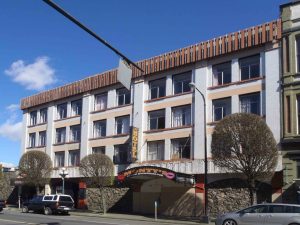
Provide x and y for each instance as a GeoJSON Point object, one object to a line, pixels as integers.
{"type": "Point", "coordinates": [290, 80]}
{"type": "Point", "coordinates": [163, 154]}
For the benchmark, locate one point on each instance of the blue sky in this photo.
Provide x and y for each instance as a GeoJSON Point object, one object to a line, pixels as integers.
{"type": "Point", "coordinates": [40, 49]}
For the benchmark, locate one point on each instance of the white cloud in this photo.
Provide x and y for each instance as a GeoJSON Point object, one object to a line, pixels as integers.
{"type": "Point", "coordinates": [12, 128]}
{"type": "Point", "coordinates": [35, 76]}
{"type": "Point", "coordinates": [13, 107]}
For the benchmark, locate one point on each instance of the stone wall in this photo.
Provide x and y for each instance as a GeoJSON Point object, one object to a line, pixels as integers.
{"type": "Point", "coordinates": [232, 194]}
{"type": "Point", "coordinates": [117, 199]}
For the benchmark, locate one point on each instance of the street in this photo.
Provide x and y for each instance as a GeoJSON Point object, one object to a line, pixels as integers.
{"type": "Point", "coordinates": [8, 217]}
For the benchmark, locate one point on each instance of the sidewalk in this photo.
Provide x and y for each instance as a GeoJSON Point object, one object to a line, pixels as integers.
{"type": "Point", "coordinates": [118, 216]}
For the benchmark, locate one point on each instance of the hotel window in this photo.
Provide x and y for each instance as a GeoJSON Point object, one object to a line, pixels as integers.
{"type": "Point", "coordinates": [181, 148]}
{"type": "Point", "coordinates": [100, 102]}
{"type": "Point", "coordinates": [31, 143]}
{"type": "Point", "coordinates": [43, 115]}
{"type": "Point", "coordinates": [76, 107]}
{"type": "Point", "coordinates": [250, 103]}
{"type": "Point", "coordinates": [122, 154]}
{"type": "Point", "coordinates": [221, 74]}
{"type": "Point", "coordinates": [122, 125]}
{"type": "Point", "coordinates": [181, 82]}
{"type": "Point", "coordinates": [42, 138]}
{"type": "Point", "coordinates": [33, 118]}
{"type": "Point", "coordinates": [181, 116]}
{"type": "Point", "coordinates": [98, 150]}
{"type": "Point", "coordinates": [156, 150]}
{"type": "Point", "coordinates": [60, 135]}
{"type": "Point", "coordinates": [249, 67]}
{"type": "Point", "coordinates": [298, 53]}
{"type": "Point", "coordinates": [221, 108]}
{"type": "Point", "coordinates": [59, 159]}
{"type": "Point", "coordinates": [74, 158]}
{"type": "Point", "coordinates": [298, 112]}
{"type": "Point", "coordinates": [62, 111]}
{"type": "Point", "coordinates": [99, 128]}
{"type": "Point", "coordinates": [75, 133]}
{"type": "Point", "coordinates": [156, 120]}
{"type": "Point", "coordinates": [157, 88]}
{"type": "Point", "coordinates": [123, 96]}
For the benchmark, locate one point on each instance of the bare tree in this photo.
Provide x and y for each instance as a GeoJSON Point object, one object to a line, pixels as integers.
{"type": "Point", "coordinates": [35, 168]}
{"type": "Point", "coordinates": [98, 169]}
{"type": "Point", "coordinates": [243, 143]}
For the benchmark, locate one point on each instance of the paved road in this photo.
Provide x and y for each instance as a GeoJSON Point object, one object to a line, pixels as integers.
{"type": "Point", "coordinates": [18, 218]}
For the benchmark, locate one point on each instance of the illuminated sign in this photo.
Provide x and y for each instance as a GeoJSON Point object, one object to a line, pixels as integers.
{"type": "Point", "coordinates": [134, 143]}
{"type": "Point", "coordinates": [156, 171]}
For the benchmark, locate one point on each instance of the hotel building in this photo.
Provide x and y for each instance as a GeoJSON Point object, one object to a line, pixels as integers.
{"type": "Point", "coordinates": [155, 131]}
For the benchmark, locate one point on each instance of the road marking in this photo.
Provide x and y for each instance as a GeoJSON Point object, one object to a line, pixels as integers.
{"type": "Point", "coordinates": [13, 221]}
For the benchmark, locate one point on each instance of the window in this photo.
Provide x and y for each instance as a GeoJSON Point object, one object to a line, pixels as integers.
{"type": "Point", "coordinates": [42, 138]}
{"type": "Point", "coordinates": [249, 67]}
{"type": "Point", "coordinates": [59, 159]}
{"type": "Point", "coordinates": [98, 150]}
{"type": "Point", "coordinates": [122, 154]}
{"type": "Point", "coordinates": [221, 108]}
{"type": "Point", "coordinates": [181, 82]}
{"type": "Point", "coordinates": [221, 74]}
{"type": "Point", "coordinates": [31, 140]}
{"type": "Point", "coordinates": [43, 115]}
{"type": "Point", "coordinates": [62, 111]}
{"type": "Point", "coordinates": [60, 135]}
{"type": "Point", "coordinates": [276, 209]}
{"type": "Point", "coordinates": [157, 88]}
{"type": "Point", "coordinates": [156, 120]}
{"type": "Point", "coordinates": [76, 107]}
{"type": "Point", "coordinates": [181, 148]}
{"type": "Point", "coordinates": [99, 128]}
{"type": "Point", "coordinates": [122, 125]}
{"type": "Point", "coordinates": [74, 158]}
{"type": "Point", "coordinates": [156, 150]}
{"type": "Point", "coordinates": [100, 102]}
{"type": "Point", "coordinates": [250, 103]}
{"type": "Point", "coordinates": [298, 53]}
{"type": "Point", "coordinates": [33, 118]}
{"type": "Point", "coordinates": [298, 112]}
{"type": "Point", "coordinates": [48, 198]}
{"type": "Point", "coordinates": [75, 133]}
{"type": "Point", "coordinates": [123, 96]}
{"type": "Point", "coordinates": [181, 116]}
{"type": "Point", "coordinates": [255, 209]}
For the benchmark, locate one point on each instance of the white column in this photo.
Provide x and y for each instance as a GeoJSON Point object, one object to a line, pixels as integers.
{"type": "Point", "coordinates": [235, 70]}
{"type": "Point", "coordinates": [167, 149]}
{"type": "Point", "coordinates": [201, 75]}
{"type": "Point", "coordinates": [169, 85]}
{"type": "Point", "coordinates": [85, 125]}
{"type": "Point", "coordinates": [235, 104]}
{"type": "Point", "coordinates": [168, 115]}
{"type": "Point", "coordinates": [50, 133]}
{"type": "Point", "coordinates": [110, 126]}
{"type": "Point", "coordinates": [24, 138]}
{"type": "Point", "coordinates": [139, 94]}
{"type": "Point", "coordinates": [111, 98]}
{"type": "Point", "coordinates": [272, 91]}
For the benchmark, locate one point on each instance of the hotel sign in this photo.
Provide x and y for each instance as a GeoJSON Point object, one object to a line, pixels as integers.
{"type": "Point", "coordinates": [134, 143]}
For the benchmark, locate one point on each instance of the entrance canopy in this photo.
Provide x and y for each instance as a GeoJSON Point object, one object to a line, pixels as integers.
{"type": "Point", "coordinates": [153, 171]}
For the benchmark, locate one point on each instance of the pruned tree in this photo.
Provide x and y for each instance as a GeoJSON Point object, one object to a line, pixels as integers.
{"type": "Point", "coordinates": [35, 168]}
{"type": "Point", "coordinates": [98, 169]}
{"type": "Point", "coordinates": [243, 143]}
{"type": "Point", "coordinates": [5, 188]}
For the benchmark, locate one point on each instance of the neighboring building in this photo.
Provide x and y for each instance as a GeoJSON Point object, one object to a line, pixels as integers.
{"type": "Point", "coordinates": [7, 167]}
{"type": "Point", "coordinates": [238, 72]}
{"type": "Point", "coordinates": [290, 15]}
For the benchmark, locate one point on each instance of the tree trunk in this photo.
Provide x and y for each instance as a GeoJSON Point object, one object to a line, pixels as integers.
{"type": "Point", "coordinates": [252, 191]}
{"type": "Point", "coordinates": [103, 200]}
{"type": "Point", "coordinates": [37, 188]}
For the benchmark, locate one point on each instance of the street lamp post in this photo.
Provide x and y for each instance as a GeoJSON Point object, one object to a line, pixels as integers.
{"type": "Point", "coordinates": [205, 217]}
{"type": "Point", "coordinates": [63, 173]}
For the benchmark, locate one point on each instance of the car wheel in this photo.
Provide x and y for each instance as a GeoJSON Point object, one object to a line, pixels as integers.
{"type": "Point", "coordinates": [25, 209]}
{"type": "Point", "coordinates": [47, 211]}
{"type": "Point", "coordinates": [229, 222]}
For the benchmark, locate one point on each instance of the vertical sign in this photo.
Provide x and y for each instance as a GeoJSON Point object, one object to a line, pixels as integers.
{"type": "Point", "coordinates": [134, 143]}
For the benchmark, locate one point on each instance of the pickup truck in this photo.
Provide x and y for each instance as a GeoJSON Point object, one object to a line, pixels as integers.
{"type": "Point", "coordinates": [49, 204]}
{"type": "Point", "coordinates": [2, 205]}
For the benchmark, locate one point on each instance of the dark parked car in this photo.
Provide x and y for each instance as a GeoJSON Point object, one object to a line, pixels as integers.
{"type": "Point", "coordinates": [2, 205]}
{"type": "Point", "coordinates": [275, 214]}
{"type": "Point", "coordinates": [49, 204]}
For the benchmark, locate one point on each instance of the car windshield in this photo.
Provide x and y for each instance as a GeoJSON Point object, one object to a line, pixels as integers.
{"type": "Point", "coordinates": [65, 199]}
